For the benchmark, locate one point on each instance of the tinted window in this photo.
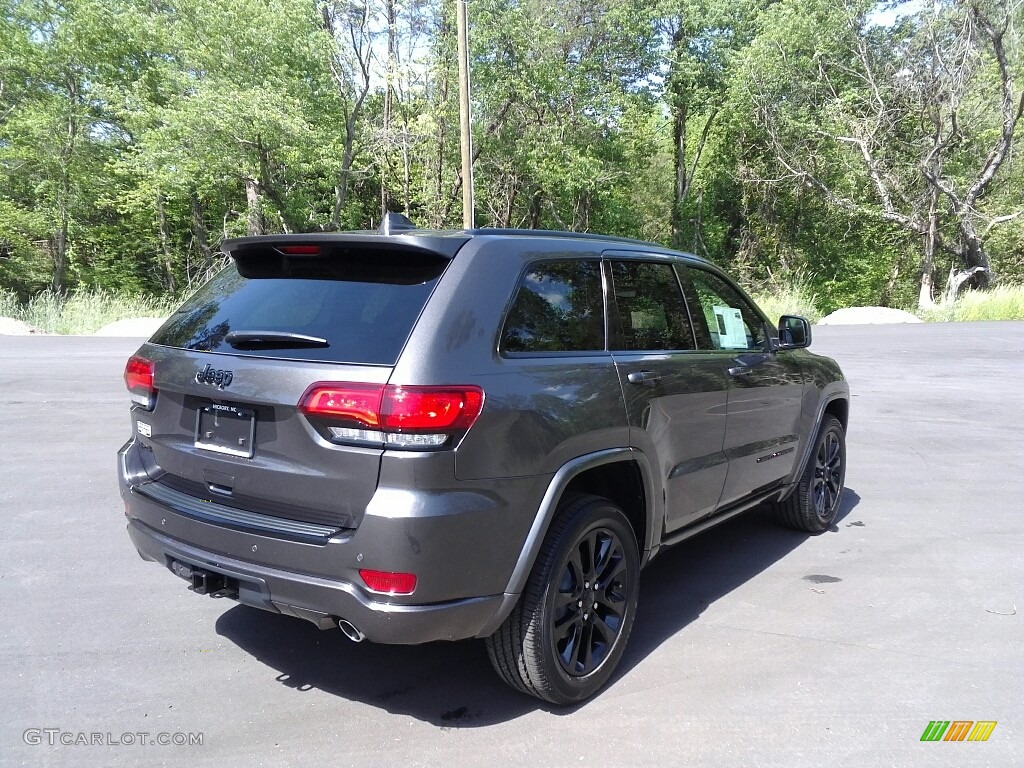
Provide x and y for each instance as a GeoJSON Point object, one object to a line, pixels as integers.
{"type": "Point", "coordinates": [364, 306]}
{"type": "Point", "coordinates": [724, 319]}
{"type": "Point", "coordinates": [649, 312]}
{"type": "Point", "coordinates": [558, 308]}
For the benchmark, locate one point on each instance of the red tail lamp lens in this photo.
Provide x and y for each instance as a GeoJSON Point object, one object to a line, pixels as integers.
{"type": "Point", "coordinates": [389, 583]}
{"type": "Point", "coordinates": [347, 402]}
{"type": "Point", "coordinates": [430, 409]}
{"type": "Point", "coordinates": [391, 408]}
{"type": "Point", "coordinates": [138, 377]}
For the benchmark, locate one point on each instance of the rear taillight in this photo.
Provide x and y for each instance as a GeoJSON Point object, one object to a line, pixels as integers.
{"type": "Point", "coordinates": [138, 377]}
{"type": "Point", "coordinates": [392, 415]}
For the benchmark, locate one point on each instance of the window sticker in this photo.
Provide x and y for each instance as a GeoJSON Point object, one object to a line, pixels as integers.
{"type": "Point", "coordinates": [732, 334]}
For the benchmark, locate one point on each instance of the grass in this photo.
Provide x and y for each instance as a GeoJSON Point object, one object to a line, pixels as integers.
{"type": "Point", "coordinates": [1005, 302]}
{"type": "Point", "coordinates": [81, 312]}
{"type": "Point", "coordinates": [793, 299]}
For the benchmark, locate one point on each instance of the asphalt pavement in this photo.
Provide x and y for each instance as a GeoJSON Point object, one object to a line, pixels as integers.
{"type": "Point", "coordinates": [753, 646]}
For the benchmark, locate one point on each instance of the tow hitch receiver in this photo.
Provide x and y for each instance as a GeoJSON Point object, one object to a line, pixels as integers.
{"type": "Point", "coordinates": [205, 582]}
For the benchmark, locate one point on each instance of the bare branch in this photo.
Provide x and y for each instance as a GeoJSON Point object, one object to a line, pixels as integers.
{"type": "Point", "coordinates": [1011, 112]}
{"type": "Point", "coordinates": [1000, 220]}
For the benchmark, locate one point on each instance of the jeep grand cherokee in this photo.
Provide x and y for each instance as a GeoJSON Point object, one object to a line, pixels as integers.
{"type": "Point", "coordinates": [434, 435]}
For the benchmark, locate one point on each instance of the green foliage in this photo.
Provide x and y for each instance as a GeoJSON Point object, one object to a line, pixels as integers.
{"type": "Point", "coordinates": [136, 135]}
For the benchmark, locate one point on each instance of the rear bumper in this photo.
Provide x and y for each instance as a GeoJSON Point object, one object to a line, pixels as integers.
{"type": "Point", "coordinates": [323, 601]}
{"type": "Point", "coordinates": [462, 543]}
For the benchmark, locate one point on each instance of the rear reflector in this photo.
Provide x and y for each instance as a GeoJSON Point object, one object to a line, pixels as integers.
{"type": "Point", "coordinates": [138, 377]}
{"type": "Point", "coordinates": [397, 416]}
{"type": "Point", "coordinates": [387, 583]}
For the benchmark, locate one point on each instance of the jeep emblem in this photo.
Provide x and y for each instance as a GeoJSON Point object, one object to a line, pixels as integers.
{"type": "Point", "coordinates": [210, 375]}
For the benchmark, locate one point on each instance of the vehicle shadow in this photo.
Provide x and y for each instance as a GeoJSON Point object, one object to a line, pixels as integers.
{"type": "Point", "coordinates": [452, 685]}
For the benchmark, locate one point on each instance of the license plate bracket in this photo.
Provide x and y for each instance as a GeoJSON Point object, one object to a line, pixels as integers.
{"type": "Point", "coordinates": [226, 429]}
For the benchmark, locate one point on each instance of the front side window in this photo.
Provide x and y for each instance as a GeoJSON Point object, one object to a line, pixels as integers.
{"type": "Point", "coordinates": [648, 312]}
{"type": "Point", "coordinates": [724, 319]}
{"type": "Point", "coordinates": [559, 307]}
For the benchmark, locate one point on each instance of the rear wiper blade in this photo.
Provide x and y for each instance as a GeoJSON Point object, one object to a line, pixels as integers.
{"type": "Point", "coordinates": [272, 339]}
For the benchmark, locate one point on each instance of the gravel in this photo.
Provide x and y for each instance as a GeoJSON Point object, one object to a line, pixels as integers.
{"type": "Point", "coordinates": [11, 327]}
{"type": "Point", "coordinates": [143, 327]}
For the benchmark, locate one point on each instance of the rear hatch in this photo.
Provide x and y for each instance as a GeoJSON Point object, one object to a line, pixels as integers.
{"type": "Point", "coordinates": [231, 367]}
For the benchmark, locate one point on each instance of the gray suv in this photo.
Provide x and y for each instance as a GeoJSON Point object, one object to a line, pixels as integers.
{"type": "Point", "coordinates": [433, 435]}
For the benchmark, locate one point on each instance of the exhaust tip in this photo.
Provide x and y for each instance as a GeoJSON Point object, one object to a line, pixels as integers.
{"type": "Point", "coordinates": [350, 631]}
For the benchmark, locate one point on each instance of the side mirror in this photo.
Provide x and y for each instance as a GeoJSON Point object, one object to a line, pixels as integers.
{"type": "Point", "coordinates": [794, 332]}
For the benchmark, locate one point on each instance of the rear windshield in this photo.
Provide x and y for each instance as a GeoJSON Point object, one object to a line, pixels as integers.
{"type": "Point", "coordinates": [364, 306]}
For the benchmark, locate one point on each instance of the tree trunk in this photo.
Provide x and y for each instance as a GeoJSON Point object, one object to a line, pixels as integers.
{"type": "Point", "coordinates": [58, 254]}
{"type": "Point", "coordinates": [165, 244]}
{"type": "Point", "coordinates": [679, 161]}
{"type": "Point", "coordinates": [198, 227]}
{"type": "Point", "coordinates": [254, 204]}
{"type": "Point", "coordinates": [926, 296]}
{"type": "Point", "coordinates": [535, 201]}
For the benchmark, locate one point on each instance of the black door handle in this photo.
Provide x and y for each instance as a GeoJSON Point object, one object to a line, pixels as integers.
{"type": "Point", "coordinates": [643, 377]}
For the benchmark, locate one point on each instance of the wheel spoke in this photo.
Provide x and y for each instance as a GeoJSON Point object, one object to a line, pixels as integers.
{"type": "Point", "coordinates": [604, 546]}
{"type": "Point", "coordinates": [606, 632]}
{"type": "Point", "coordinates": [563, 600]}
{"type": "Point", "coordinates": [834, 484]}
{"type": "Point", "coordinates": [613, 568]}
{"type": "Point", "coordinates": [570, 651]}
{"type": "Point", "coordinates": [587, 553]}
{"type": "Point", "coordinates": [575, 565]}
{"type": "Point", "coordinates": [564, 625]}
{"type": "Point", "coordinates": [587, 645]}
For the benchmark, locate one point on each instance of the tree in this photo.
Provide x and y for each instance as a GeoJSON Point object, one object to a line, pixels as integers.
{"type": "Point", "coordinates": [919, 118]}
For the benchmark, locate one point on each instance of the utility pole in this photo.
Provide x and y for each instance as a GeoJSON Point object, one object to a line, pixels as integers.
{"type": "Point", "coordinates": [466, 139]}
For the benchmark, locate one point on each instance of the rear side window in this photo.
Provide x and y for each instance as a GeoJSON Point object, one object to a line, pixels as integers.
{"type": "Point", "coordinates": [363, 304]}
{"type": "Point", "coordinates": [559, 307]}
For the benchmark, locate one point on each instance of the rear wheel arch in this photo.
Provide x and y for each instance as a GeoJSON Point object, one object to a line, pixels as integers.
{"type": "Point", "coordinates": [580, 476]}
{"type": "Point", "coordinates": [623, 483]}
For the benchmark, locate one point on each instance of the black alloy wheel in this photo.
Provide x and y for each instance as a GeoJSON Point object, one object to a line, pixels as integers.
{"type": "Point", "coordinates": [567, 633]}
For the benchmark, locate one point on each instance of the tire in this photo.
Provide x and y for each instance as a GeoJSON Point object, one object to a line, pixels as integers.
{"type": "Point", "coordinates": [814, 503]}
{"type": "Point", "coordinates": [555, 644]}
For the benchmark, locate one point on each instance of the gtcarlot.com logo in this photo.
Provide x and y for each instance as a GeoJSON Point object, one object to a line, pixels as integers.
{"type": "Point", "coordinates": [958, 730]}
{"type": "Point", "coordinates": [59, 737]}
